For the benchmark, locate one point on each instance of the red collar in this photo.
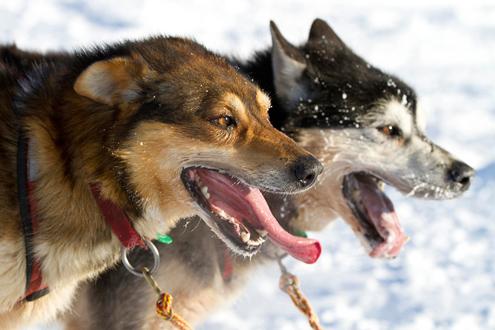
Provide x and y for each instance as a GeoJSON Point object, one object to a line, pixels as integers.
{"type": "Point", "coordinates": [114, 216]}
{"type": "Point", "coordinates": [118, 220]}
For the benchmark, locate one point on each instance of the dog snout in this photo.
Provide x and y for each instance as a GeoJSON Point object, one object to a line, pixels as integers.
{"type": "Point", "coordinates": [460, 173]}
{"type": "Point", "coordinates": [306, 169]}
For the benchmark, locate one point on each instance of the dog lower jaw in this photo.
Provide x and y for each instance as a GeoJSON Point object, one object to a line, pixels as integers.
{"type": "Point", "coordinates": [379, 228]}
{"type": "Point", "coordinates": [235, 248]}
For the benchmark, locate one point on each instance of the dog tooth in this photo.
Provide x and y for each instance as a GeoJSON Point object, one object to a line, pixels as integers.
{"type": "Point", "coordinates": [254, 243]}
{"type": "Point", "coordinates": [227, 217]}
{"type": "Point", "coordinates": [381, 185]}
{"type": "Point", "coordinates": [356, 194]}
{"type": "Point", "coordinates": [204, 191]}
{"type": "Point", "coordinates": [260, 241]}
{"type": "Point", "coordinates": [245, 236]}
{"type": "Point", "coordinates": [262, 232]}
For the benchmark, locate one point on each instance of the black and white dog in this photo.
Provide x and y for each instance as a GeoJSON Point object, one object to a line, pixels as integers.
{"type": "Point", "coordinates": [363, 124]}
{"type": "Point", "coordinates": [367, 127]}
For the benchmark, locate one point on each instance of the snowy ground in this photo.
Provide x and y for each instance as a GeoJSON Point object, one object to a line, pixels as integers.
{"type": "Point", "coordinates": [444, 279]}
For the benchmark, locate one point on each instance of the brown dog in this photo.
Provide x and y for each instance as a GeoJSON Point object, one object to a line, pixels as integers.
{"type": "Point", "coordinates": [132, 132]}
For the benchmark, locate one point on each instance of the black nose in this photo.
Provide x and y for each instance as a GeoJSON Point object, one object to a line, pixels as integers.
{"type": "Point", "coordinates": [462, 173]}
{"type": "Point", "coordinates": [306, 170]}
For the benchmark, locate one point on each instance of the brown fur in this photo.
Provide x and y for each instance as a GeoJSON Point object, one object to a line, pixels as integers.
{"type": "Point", "coordinates": [128, 117]}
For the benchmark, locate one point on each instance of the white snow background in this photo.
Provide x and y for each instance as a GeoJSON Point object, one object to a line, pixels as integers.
{"type": "Point", "coordinates": [445, 277]}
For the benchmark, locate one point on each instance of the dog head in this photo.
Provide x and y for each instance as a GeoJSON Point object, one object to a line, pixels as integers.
{"type": "Point", "coordinates": [192, 136]}
{"type": "Point", "coordinates": [367, 128]}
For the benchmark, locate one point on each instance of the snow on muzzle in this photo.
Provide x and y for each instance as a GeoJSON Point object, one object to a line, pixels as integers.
{"type": "Point", "coordinates": [241, 212]}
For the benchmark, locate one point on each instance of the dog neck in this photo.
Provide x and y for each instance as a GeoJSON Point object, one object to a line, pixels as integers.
{"type": "Point", "coordinates": [68, 155]}
{"type": "Point", "coordinates": [27, 173]}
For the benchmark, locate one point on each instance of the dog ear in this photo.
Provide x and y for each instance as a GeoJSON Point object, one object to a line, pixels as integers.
{"type": "Point", "coordinates": [110, 82]}
{"type": "Point", "coordinates": [322, 34]}
{"type": "Point", "coordinates": [288, 66]}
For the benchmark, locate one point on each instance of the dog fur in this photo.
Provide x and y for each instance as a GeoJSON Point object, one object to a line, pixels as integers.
{"type": "Point", "coordinates": [338, 106]}
{"type": "Point", "coordinates": [353, 116]}
{"type": "Point", "coordinates": [129, 117]}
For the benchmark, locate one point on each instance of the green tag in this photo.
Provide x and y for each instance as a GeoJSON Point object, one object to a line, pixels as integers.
{"type": "Point", "coordinates": [301, 233]}
{"type": "Point", "coordinates": [165, 239]}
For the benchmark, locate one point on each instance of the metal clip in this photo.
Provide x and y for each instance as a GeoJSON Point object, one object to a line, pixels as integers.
{"type": "Point", "coordinates": [133, 270]}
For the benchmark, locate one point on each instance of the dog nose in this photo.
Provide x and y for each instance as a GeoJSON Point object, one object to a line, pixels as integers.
{"type": "Point", "coordinates": [461, 173]}
{"type": "Point", "coordinates": [306, 170]}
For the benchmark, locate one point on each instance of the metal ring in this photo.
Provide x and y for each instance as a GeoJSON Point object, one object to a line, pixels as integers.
{"type": "Point", "coordinates": [132, 269]}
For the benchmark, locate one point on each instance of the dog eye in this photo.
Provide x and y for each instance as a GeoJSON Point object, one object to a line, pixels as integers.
{"type": "Point", "coordinates": [226, 122]}
{"type": "Point", "coordinates": [391, 131]}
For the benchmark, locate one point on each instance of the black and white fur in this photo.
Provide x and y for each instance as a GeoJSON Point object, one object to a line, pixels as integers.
{"type": "Point", "coordinates": [338, 106]}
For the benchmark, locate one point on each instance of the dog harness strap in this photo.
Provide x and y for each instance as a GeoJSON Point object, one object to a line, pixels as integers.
{"type": "Point", "coordinates": [118, 220]}
{"type": "Point", "coordinates": [114, 216]}
{"type": "Point", "coordinates": [27, 208]}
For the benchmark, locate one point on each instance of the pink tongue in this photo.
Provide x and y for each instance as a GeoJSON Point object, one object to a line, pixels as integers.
{"type": "Point", "coordinates": [381, 212]}
{"type": "Point", "coordinates": [244, 202]}
{"type": "Point", "coordinates": [304, 249]}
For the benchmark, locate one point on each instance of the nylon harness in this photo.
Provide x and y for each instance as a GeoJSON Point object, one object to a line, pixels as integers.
{"type": "Point", "coordinates": [114, 216]}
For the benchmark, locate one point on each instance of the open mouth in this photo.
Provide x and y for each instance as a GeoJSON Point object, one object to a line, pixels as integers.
{"type": "Point", "coordinates": [239, 214]}
{"type": "Point", "coordinates": [375, 214]}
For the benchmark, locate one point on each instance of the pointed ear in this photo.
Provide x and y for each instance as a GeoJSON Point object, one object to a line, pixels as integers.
{"type": "Point", "coordinates": [110, 82]}
{"type": "Point", "coordinates": [288, 66]}
{"type": "Point", "coordinates": [322, 33]}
